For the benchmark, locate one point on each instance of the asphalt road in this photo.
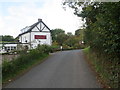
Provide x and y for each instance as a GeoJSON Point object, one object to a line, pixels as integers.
{"type": "Point", "coordinates": [66, 69]}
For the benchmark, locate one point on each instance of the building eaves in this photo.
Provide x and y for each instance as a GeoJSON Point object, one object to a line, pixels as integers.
{"type": "Point", "coordinates": [29, 30]}
{"type": "Point", "coordinates": [32, 26]}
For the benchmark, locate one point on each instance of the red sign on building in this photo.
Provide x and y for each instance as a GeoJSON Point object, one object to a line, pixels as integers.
{"type": "Point", "coordinates": [40, 36]}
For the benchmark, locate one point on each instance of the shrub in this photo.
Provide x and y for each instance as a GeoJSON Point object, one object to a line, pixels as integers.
{"type": "Point", "coordinates": [24, 60]}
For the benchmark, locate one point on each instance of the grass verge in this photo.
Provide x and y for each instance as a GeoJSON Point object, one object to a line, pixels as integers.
{"type": "Point", "coordinates": [14, 68]}
{"type": "Point", "coordinates": [106, 71]}
{"type": "Point", "coordinates": [23, 69]}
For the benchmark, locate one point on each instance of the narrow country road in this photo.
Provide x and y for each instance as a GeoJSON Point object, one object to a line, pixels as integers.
{"type": "Point", "coordinates": [66, 69]}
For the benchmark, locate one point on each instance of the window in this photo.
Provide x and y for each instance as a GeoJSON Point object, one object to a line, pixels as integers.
{"type": "Point", "coordinates": [14, 47]}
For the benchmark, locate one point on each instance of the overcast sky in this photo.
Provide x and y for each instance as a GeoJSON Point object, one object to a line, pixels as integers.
{"type": "Point", "coordinates": [18, 14]}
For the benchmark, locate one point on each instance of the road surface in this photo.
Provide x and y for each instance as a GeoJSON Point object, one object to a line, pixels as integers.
{"type": "Point", "coordinates": [66, 69]}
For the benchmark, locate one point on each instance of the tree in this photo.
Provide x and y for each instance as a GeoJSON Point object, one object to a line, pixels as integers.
{"type": "Point", "coordinates": [69, 34]}
{"type": "Point", "coordinates": [71, 41]}
{"type": "Point", "coordinates": [102, 25]}
{"type": "Point", "coordinates": [102, 34]}
{"type": "Point", "coordinates": [61, 38]}
{"type": "Point", "coordinates": [55, 33]}
{"type": "Point", "coordinates": [78, 32]}
{"type": "Point", "coordinates": [8, 38]}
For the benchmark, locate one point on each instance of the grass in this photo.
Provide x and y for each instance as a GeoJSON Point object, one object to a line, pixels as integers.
{"type": "Point", "coordinates": [105, 70]}
{"type": "Point", "coordinates": [24, 68]}
{"type": "Point", "coordinates": [17, 67]}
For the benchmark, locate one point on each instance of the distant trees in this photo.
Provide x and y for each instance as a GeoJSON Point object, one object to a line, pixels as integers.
{"type": "Point", "coordinates": [78, 32]}
{"type": "Point", "coordinates": [59, 36]}
{"type": "Point", "coordinates": [72, 41]}
{"type": "Point", "coordinates": [68, 40]}
{"type": "Point", "coordinates": [55, 33]}
{"type": "Point", "coordinates": [7, 38]}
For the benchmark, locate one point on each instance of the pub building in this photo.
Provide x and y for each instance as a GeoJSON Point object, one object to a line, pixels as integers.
{"type": "Point", "coordinates": [31, 36]}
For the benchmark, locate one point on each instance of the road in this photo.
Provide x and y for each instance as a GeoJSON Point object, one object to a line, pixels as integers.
{"type": "Point", "coordinates": [65, 69]}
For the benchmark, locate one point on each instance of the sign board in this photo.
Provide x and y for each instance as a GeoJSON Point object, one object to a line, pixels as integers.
{"type": "Point", "coordinates": [40, 37]}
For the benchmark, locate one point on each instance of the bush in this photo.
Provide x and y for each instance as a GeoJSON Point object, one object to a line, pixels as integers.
{"type": "Point", "coordinates": [108, 72]}
{"type": "Point", "coordinates": [24, 60]}
{"type": "Point", "coordinates": [55, 48]}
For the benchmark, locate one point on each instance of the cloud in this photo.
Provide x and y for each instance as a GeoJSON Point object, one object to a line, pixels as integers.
{"type": "Point", "coordinates": [26, 14]}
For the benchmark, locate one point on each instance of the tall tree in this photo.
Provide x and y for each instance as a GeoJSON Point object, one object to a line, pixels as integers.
{"type": "Point", "coordinates": [72, 41]}
{"type": "Point", "coordinates": [69, 34]}
{"type": "Point", "coordinates": [56, 32]}
{"type": "Point", "coordinates": [59, 36]}
{"type": "Point", "coordinates": [102, 25]}
{"type": "Point", "coordinates": [102, 33]}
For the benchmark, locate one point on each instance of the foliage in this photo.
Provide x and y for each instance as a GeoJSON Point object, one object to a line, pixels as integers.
{"type": "Point", "coordinates": [7, 38]}
{"type": "Point", "coordinates": [72, 41]}
{"type": "Point", "coordinates": [25, 60]}
{"type": "Point", "coordinates": [69, 34]}
{"type": "Point", "coordinates": [61, 38]}
{"type": "Point", "coordinates": [102, 21]}
{"type": "Point", "coordinates": [78, 32]}
{"type": "Point", "coordinates": [67, 40]}
{"type": "Point", "coordinates": [101, 33]}
{"type": "Point", "coordinates": [107, 72]}
{"type": "Point", "coordinates": [55, 33]}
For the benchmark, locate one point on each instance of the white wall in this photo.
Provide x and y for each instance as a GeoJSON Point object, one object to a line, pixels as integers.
{"type": "Point", "coordinates": [46, 41]}
{"type": "Point", "coordinates": [34, 42]}
{"type": "Point", "coordinates": [8, 47]}
{"type": "Point", "coordinates": [24, 37]}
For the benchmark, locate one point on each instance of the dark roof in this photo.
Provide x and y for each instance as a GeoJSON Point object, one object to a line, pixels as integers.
{"type": "Point", "coordinates": [32, 26]}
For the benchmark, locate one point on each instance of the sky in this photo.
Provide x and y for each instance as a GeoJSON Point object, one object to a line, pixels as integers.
{"type": "Point", "coordinates": [17, 14]}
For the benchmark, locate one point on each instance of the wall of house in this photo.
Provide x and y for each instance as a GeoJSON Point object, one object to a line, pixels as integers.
{"type": "Point", "coordinates": [25, 38]}
{"type": "Point", "coordinates": [35, 42]}
{"type": "Point", "coordinates": [40, 29]}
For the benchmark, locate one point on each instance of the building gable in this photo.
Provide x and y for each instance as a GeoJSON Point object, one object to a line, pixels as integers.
{"type": "Point", "coordinates": [38, 33]}
{"type": "Point", "coordinates": [39, 26]}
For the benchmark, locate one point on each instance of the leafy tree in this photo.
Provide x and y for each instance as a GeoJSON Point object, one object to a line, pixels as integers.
{"type": "Point", "coordinates": [61, 38]}
{"type": "Point", "coordinates": [102, 34]}
{"type": "Point", "coordinates": [78, 32]}
{"type": "Point", "coordinates": [69, 34]}
{"type": "Point", "coordinates": [7, 38]}
{"type": "Point", "coordinates": [55, 33]}
{"type": "Point", "coordinates": [102, 25]}
{"type": "Point", "coordinates": [71, 41]}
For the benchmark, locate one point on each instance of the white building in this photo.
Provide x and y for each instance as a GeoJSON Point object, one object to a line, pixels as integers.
{"type": "Point", "coordinates": [38, 33]}
{"type": "Point", "coordinates": [7, 47]}
{"type": "Point", "coordinates": [31, 36]}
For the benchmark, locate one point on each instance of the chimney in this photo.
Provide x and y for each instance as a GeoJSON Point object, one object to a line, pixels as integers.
{"type": "Point", "coordinates": [39, 19]}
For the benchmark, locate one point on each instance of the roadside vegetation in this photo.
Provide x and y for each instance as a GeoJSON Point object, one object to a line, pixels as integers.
{"type": "Point", "coordinates": [25, 60]}
{"type": "Point", "coordinates": [101, 36]}
{"type": "Point", "coordinates": [101, 33]}
{"type": "Point", "coordinates": [106, 72]}
{"type": "Point", "coordinates": [28, 58]}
